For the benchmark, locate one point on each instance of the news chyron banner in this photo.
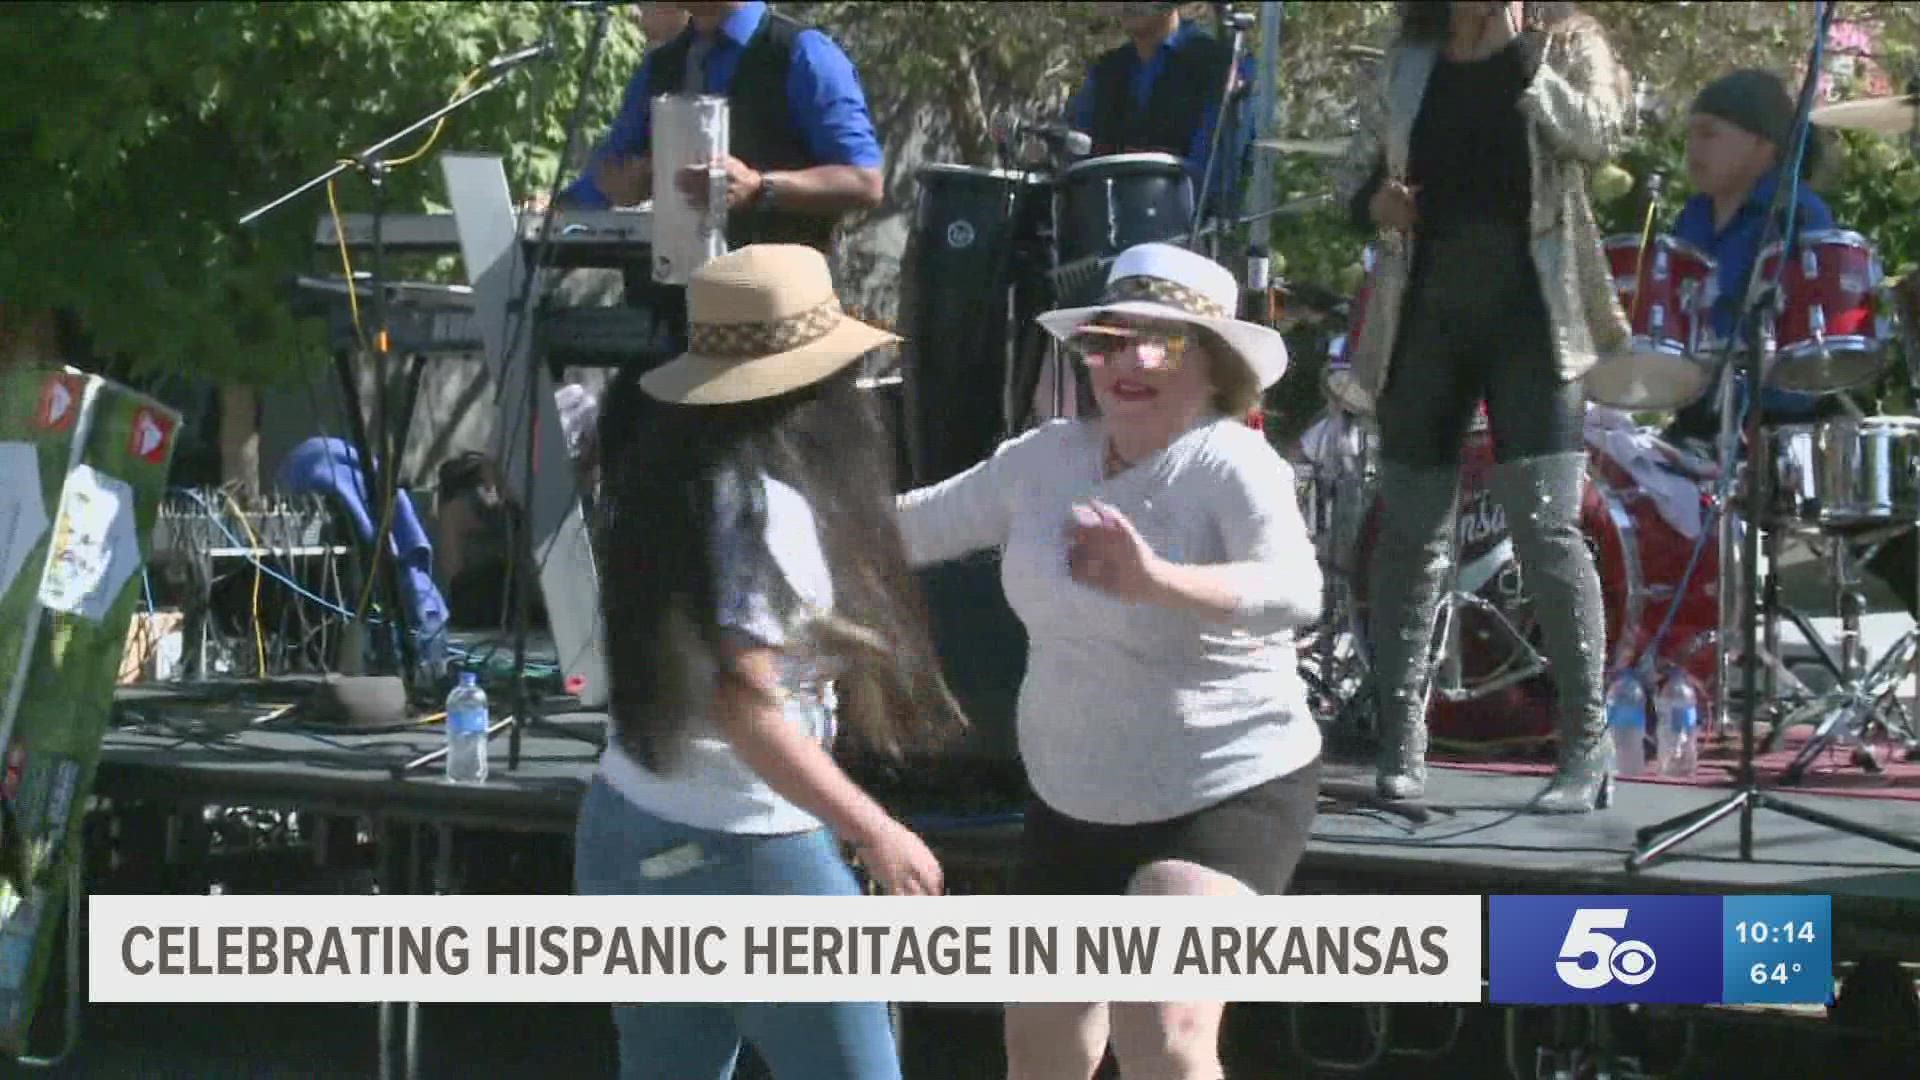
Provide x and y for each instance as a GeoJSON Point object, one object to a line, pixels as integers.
{"type": "Point", "coordinates": [780, 948]}
{"type": "Point", "coordinates": [1683, 950]}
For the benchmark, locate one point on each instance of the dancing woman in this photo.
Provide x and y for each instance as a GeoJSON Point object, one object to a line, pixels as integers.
{"type": "Point", "coordinates": [1472, 162]}
{"type": "Point", "coordinates": [1157, 557]}
{"type": "Point", "coordinates": [758, 609]}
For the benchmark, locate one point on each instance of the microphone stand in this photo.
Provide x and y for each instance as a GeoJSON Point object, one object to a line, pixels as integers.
{"type": "Point", "coordinates": [1227, 114]}
{"type": "Point", "coordinates": [520, 311]}
{"type": "Point", "coordinates": [1655, 841]}
{"type": "Point", "coordinates": [380, 473]}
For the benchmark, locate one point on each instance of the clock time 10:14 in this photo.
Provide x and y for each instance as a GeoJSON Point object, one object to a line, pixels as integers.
{"type": "Point", "coordinates": [1755, 932]}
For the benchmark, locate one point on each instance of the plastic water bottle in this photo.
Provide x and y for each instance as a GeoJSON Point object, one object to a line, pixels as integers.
{"type": "Point", "coordinates": [467, 720]}
{"type": "Point", "coordinates": [1678, 736]}
{"type": "Point", "coordinates": [1627, 724]}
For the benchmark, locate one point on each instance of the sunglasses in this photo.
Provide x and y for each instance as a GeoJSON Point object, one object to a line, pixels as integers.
{"type": "Point", "coordinates": [1098, 344]}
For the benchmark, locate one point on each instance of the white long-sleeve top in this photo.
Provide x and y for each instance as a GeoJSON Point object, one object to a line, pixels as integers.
{"type": "Point", "coordinates": [1131, 712]}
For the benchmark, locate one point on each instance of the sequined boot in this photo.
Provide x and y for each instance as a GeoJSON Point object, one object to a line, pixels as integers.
{"type": "Point", "coordinates": [1411, 568]}
{"type": "Point", "coordinates": [1541, 497]}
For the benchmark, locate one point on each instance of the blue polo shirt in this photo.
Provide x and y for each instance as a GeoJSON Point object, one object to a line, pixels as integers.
{"type": "Point", "coordinates": [1143, 75]}
{"type": "Point", "coordinates": [1735, 249]}
{"type": "Point", "coordinates": [823, 94]}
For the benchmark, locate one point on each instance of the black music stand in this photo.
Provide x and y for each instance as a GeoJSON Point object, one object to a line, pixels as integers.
{"type": "Point", "coordinates": [380, 473]}
{"type": "Point", "coordinates": [1748, 796]}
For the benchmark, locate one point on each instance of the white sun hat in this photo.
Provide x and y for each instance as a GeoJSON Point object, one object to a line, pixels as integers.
{"type": "Point", "coordinates": [1161, 281]}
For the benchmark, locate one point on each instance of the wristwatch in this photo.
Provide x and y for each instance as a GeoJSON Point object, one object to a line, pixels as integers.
{"type": "Point", "coordinates": [767, 195]}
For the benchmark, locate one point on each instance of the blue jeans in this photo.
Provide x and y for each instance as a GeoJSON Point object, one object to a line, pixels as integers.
{"type": "Point", "coordinates": [798, 1040]}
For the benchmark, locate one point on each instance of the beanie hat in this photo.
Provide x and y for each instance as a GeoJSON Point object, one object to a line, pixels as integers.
{"type": "Point", "coordinates": [1756, 101]}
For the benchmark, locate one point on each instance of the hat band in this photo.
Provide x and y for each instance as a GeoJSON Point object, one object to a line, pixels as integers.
{"type": "Point", "coordinates": [748, 340]}
{"type": "Point", "coordinates": [1161, 291]}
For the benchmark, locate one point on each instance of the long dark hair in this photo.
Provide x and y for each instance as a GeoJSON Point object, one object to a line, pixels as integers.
{"type": "Point", "coordinates": [662, 468]}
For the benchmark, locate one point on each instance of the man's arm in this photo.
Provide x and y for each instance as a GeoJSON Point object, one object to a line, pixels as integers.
{"type": "Point", "coordinates": [622, 162]}
{"type": "Point", "coordinates": [825, 96]}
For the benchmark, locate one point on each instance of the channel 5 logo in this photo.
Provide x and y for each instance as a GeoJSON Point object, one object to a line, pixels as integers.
{"type": "Point", "coordinates": [1555, 950]}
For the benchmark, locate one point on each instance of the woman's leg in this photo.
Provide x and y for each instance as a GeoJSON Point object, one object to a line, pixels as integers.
{"type": "Point", "coordinates": [815, 1040]}
{"type": "Point", "coordinates": [613, 844]}
{"type": "Point", "coordinates": [1539, 480]}
{"type": "Point", "coordinates": [1423, 418]}
{"type": "Point", "coordinates": [1247, 845]}
{"type": "Point", "coordinates": [1062, 857]}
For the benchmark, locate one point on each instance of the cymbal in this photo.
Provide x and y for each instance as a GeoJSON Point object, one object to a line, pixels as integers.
{"type": "Point", "coordinates": [1329, 148]}
{"type": "Point", "coordinates": [1881, 116]}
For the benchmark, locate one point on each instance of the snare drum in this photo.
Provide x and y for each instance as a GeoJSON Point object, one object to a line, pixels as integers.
{"type": "Point", "coordinates": [1826, 334]}
{"type": "Point", "coordinates": [1667, 292]}
{"type": "Point", "coordinates": [1106, 205]}
{"type": "Point", "coordinates": [1870, 471]}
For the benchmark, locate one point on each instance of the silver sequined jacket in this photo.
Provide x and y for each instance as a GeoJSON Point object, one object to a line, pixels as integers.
{"type": "Point", "coordinates": [1577, 108]}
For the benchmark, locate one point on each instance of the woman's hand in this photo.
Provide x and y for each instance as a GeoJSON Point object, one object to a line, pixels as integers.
{"type": "Point", "coordinates": [1105, 552]}
{"type": "Point", "coordinates": [1502, 26]}
{"type": "Point", "coordinates": [1393, 206]}
{"type": "Point", "coordinates": [900, 861]}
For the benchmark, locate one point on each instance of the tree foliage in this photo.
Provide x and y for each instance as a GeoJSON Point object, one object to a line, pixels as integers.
{"type": "Point", "coordinates": [139, 134]}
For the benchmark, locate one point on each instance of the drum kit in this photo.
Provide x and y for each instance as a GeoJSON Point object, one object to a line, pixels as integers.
{"type": "Point", "coordinates": [1665, 522]}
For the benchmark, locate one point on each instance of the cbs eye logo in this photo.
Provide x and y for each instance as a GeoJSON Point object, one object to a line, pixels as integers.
{"type": "Point", "coordinates": [1629, 962]}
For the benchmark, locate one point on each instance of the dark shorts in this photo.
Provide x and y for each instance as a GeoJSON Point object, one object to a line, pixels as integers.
{"type": "Point", "coordinates": [1255, 837]}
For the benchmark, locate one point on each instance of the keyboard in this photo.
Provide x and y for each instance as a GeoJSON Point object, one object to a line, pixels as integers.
{"type": "Point", "coordinates": [609, 238]}
{"type": "Point", "coordinates": [422, 318]}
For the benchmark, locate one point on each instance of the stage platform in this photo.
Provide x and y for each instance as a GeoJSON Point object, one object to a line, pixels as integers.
{"type": "Point", "coordinates": [1474, 838]}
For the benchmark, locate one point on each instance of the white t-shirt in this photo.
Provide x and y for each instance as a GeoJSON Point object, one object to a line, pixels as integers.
{"type": "Point", "coordinates": [1133, 713]}
{"type": "Point", "coordinates": [708, 786]}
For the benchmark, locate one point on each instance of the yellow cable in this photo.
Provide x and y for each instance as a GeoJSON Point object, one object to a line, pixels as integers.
{"type": "Point", "coordinates": [434, 135]}
{"type": "Point", "coordinates": [259, 632]}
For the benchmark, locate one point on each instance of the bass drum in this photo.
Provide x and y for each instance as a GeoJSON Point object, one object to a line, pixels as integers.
{"type": "Point", "coordinates": [1505, 695]}
{"type": "Point", "coordinates": [955, 309]}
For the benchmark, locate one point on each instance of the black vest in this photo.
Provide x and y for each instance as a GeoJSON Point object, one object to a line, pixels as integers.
{"type": "Point", "coordinates": [1194, 75]}
{"type": "Point", "coordinates": [762, 131]}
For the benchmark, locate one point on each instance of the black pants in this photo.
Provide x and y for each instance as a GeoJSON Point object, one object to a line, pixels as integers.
{"type": "Point", "coordinates": [1474, 328]}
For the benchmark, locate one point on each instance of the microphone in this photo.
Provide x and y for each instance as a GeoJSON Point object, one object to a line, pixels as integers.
{"type": "Point", "coordinates": [1232, 20]}
{"type": "Point", "coordinates": [1057, 136]}
{"type": "Point", "coordinates": [514, 59]}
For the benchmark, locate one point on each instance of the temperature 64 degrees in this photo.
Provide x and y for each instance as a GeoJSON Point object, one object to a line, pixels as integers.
{"type": "Point", "coordinates": [1777, 950]}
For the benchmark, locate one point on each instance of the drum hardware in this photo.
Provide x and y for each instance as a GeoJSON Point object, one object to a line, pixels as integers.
{"type": "Point", "coordinates": [1862, 702]}
{"type": "Point", "coordinates": [1746, 353]}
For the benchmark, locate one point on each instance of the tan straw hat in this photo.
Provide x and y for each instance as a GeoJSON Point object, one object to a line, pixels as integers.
{"type": "Point", "coordinates": [761, 322]}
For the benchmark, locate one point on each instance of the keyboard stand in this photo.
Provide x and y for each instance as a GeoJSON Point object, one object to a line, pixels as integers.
{"type": "Point", "coordinates": [496, 266]}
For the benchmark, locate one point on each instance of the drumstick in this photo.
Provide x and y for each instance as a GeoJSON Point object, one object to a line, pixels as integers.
{"type": "Point", "coordinates": [1640, 271]}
